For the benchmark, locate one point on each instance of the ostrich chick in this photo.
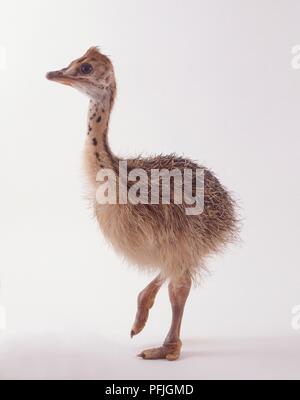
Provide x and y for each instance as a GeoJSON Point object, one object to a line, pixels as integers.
{"type": "Point", "coordinates": [161, 237]}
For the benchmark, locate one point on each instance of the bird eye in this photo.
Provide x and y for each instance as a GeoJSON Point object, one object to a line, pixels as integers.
{"type": "Point", "coordinates": [86, 69]}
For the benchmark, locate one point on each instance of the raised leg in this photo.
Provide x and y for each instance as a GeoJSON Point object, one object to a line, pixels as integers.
{"type": "Point", "coordinates": [171, 348]}
{"type": "Point", "coordinates": [145, 303]}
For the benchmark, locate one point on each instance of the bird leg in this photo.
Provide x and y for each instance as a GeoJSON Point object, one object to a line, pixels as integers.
{"type": "Point", "coordinates": [171, 348]}
{"type": "Point", "coordinates": [145, 303]}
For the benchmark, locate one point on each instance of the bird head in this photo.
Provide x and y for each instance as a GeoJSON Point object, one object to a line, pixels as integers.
{"type": "Point", "coordinates": [92, 74]}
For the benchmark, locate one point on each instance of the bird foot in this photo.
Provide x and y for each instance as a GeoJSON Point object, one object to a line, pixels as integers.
{"type": "Point", "coordinates": [140, 322]}
{"type": "Point", "coordinates": [144, 307]}
{"type": "Point", "coordinates": [169, 351]}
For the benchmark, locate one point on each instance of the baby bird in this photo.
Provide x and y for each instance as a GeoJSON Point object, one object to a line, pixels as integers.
{"type": "Point", "coordinates": [160, 236]}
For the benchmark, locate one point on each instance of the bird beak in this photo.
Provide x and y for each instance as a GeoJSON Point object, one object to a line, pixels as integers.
{"type": "Point", "coordinates": [60, 77]}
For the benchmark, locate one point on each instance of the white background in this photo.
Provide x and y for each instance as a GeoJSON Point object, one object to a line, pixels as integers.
{"type": "Point", "coordinates": [209, 79]}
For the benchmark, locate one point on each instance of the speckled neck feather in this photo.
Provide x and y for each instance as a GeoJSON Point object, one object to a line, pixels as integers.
{"type": "Point", "coordinates": [100, 154]}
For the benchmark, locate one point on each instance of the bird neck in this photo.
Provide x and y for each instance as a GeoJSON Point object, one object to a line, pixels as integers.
{"type": "Point", "coordinates": [99, 153]}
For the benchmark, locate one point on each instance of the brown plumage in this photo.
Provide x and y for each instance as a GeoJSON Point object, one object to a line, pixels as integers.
{"type": "Point", "coordinates": [159, 237]}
